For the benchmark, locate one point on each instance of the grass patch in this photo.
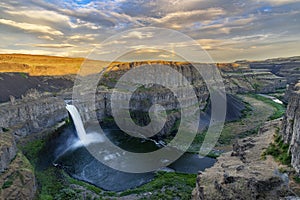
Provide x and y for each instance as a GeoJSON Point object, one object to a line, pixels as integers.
{"type": "Point", "coordinates": [32, 149]}
{"type": "Point", "coordinates": [279, 108]}
{"type": "Point", "coordinates": [49, 183]}
{"type": "Point", "coordinates": [24, 75]}
{"type": "Point", "coordinates": [88, 186]}
{"type": "Point", "coordinates": [167, 185]}
{"type": "Point", "coordinates": [279, 150]}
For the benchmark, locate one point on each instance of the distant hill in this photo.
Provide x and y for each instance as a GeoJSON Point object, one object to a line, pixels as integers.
{"type": "Point", "coordinates": [38, 65]}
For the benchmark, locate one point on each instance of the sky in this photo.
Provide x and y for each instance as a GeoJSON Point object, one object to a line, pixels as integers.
{"type": "Point", "coordinates": [227, 30]}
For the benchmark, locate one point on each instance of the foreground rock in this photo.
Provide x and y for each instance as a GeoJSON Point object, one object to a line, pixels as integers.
{"type": "Point", "coordinates": [18, 181]}
{"type": "Point", "coordinates": [8, 150]}
{"type": "Point", "coordinates": [242, 174]}
{"type": "Point", "coordinates": [291, 125]}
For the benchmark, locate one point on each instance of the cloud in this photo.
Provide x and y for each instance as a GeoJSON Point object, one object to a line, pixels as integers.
{"type": "Point", "coordinates": [45, 37]}
{"type": "Point", "coordinates": [226, 28]}
{"type": "Point", "coordinates": [43, 15]}
{"type": "Point", "coordinates": [138, 35]}
{"type": "Point", "coordinates": [31, 27]}
{"type": "Point", "coordinates": [31, 51]}
{"type": "Point", "coordinates": [83, 37]}
{"type": "Point", "coordinates": [54, 45]}
{"type": "Point", "coordinates": [190, 15]}
{"type": "Point", "coordinates": [80, 23]}
{"type": "Point", "coordinates": [279, 2]}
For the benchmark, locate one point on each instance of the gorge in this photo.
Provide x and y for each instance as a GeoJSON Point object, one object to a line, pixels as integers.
{"type": "Point", "coordinates": [34, 117]}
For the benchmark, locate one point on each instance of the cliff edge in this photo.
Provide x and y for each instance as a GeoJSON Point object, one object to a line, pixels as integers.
{"type": "Point", "coordinates": [291, 125]}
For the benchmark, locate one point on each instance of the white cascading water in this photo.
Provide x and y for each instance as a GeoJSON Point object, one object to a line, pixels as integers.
{"type": "Point", "coordinates": [83, 136]}
{"type": "Point", "coordinates": [77, 121]}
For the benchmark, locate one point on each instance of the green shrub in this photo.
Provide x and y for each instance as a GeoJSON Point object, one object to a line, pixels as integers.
{"type": "Point", "coordinates": [5, 129]}
{"type": "Point", "coordinates": [67, 194]}
{"type": "Point", "coordinates": [45, 197]}
{"type": "Point", "coordinates": [24, 75]}
{"type": "Point", "coordinates": [296, 179]}
{"type": "Point", "coordinates": [279, 150]}
{"type": "Point", "coordinates": [32, 149]}
{"type": "Point", "coordinates": [176, 186]}
{"type": "Point", "coordinates": [7, 184]}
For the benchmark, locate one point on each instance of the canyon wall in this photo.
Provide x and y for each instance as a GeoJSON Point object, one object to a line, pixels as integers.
{"type": "Point", "coordinates": [28, 116]}
{"type": "Point", "coordinates": [291, 125]}
{"type": "Point", "coordinates": [283, 67]}
{"type": "Point", "coordinates": [238, 77]}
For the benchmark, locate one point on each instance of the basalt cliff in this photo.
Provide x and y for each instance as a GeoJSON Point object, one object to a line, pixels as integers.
{"type": "Point", "coordinates": [291, 125]}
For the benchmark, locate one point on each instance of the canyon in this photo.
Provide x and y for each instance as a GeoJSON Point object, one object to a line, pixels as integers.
{"type": "Point", "coordinates": [37, 107]}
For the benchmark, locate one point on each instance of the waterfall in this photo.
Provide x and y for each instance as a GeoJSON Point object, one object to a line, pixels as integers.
{"type": "Point", "coordinates": [77, 121]}
{"type": "Point", "coordinates": [86, 138]}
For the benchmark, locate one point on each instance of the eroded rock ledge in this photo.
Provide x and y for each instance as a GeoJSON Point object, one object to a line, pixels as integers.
{"type": "Point", "coordinates": [242, 174]}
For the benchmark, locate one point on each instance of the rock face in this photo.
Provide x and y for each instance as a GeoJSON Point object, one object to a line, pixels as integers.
{"type": "Point", "coordinates": [8, 150]}
{"type": "Point", "coordinates": [238, 77]}
{"type": "Point", "coordinates": [283, 67]}
{"type": "Point", "coordinates": [32, 115]}
{"type": "Point", "coordinates": [18, 181]}
{"type": "Point", "coordinates": [291, 125]}
{"type": "Point", "coordinates": [259, 82]}
{"type": "Point", "coordinates": [242, 174]}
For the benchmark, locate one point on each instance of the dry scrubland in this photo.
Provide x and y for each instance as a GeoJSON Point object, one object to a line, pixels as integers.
{"type": "Point", "coordinates": [40, 65]}
{"type": "Point", "coordinates": [36, 65]}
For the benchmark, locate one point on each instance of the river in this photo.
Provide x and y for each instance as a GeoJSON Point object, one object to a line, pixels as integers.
{"type": "Point", "coordinates": [272, 98]}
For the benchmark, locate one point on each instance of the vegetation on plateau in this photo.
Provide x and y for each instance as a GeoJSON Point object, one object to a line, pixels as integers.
{"type": "Point", "coordinates": [279, 150]}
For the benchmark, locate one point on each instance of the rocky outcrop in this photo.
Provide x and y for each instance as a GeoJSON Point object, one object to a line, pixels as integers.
{"type": "Point", "coordinates": [291, 126]}
{"type": "Point", "coordinates": [8, 150]}
{"type": "Point", "coordinates": [242, 174]}
{"type": "Point", "coordinates": [18, 181]}
{"type": "Point", "coordinates": [32, 115]}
